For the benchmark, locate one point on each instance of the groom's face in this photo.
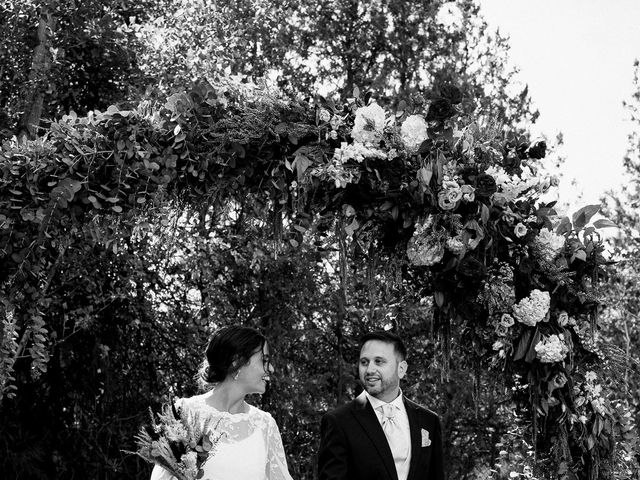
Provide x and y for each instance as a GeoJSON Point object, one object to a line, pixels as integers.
{"type": "Point", "coordinates": [381, 369]}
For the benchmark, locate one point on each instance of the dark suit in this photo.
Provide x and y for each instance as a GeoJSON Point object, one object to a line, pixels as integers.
{"type": "Point", "coordinates": [354, 447]}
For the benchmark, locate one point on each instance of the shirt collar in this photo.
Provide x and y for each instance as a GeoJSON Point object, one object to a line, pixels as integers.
{"type": "Point", "coordinates": [376, 402]}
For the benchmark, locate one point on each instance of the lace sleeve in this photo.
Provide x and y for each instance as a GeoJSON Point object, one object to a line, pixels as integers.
{"type": "Point", "coordinates": [276, 458]}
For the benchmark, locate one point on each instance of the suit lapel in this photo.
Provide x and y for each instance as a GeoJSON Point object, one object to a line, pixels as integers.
{"type": "Point", "coordinates": [369, 421]}
{"type": "Point", "coordinates": [416, 437]}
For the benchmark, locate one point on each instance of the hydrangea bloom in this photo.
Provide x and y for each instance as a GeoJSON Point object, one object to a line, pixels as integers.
{"type": "Point", "coordinates": [356, 151]}
{"type": "Point", "coordinates": [532, 309]}
{"type": "Point", "coordinates": [368, 124]}
{"type": "Point", "coordinates": [551, 349]}
{"type": "Point", "coordinates": [549, 244]}
{"type": "Point", "coordinates": [413, 132]}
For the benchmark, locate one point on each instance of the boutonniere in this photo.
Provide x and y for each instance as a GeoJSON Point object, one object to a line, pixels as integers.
{"type": "Point", "coordinates": [426, 441]}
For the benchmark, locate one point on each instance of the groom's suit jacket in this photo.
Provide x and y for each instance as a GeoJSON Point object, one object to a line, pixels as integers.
{"type": "Point", "coordinates": [354, 447]}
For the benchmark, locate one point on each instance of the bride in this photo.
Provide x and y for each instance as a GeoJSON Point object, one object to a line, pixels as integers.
{"type": "Point", "coordinates": [237, 364]}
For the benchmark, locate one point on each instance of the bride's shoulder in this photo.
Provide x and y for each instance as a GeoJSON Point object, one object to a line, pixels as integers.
{"type": "Point", "coordinates": [195, 402]}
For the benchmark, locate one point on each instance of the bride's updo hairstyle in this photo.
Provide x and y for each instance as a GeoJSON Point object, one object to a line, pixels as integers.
{"type": "Point", "coordinates": [229, 348]}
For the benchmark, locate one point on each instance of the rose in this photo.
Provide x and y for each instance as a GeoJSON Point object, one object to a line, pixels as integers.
{"type": "Point", "coordinates": [324, 115]}
{"type": "Point", "coordinates": [501, 330]}
{"type": "Point", "coordinates": [520, 230]}
{"type": "Point", "coordinates": [451, 93]}
{"type": "Point", "coordinates": [563, 319]}
{"type": "Point", "coordinates": [506, 320]}
{"type": "Point", "coordinates": [440, 109]}
{"type": "Point", "coordinates": [413, 132]}
{"type": "Point", "coordinates": [485, 185]}
{"type": "Point", "coordinates": [454, 195]}
{"type": "Point", "coordinates": [468, 193]}
{"type": "Point", "coordinates": [539, 150]}
{"type": "Point", "coordinates": [444, 202]}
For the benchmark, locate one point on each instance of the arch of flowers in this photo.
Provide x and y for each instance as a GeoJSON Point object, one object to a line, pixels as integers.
{"type": "Point", "coordinates": [461, 199]}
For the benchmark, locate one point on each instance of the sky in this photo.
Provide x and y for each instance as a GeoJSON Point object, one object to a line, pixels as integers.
{"type": "Point", "coordinates": [577, 58]}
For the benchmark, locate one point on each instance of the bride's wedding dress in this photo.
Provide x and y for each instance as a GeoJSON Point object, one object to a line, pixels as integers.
{"type": "Point", "coordinates": [250, 449]}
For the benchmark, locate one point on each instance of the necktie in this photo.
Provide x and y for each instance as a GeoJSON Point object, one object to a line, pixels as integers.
{"type": "Point", "coordinates": [390, 427]}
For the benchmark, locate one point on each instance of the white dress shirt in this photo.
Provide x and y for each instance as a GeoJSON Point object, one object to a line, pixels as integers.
{"type": "Point", "coordinates": [398, 433]}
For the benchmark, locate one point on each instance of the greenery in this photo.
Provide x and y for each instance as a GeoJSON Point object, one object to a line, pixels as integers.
{"type": "Point", "coordinates": [129, 233]}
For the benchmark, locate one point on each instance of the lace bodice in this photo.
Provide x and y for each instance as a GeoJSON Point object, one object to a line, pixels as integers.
{"type": "Point", "coordinates": [250, 449]}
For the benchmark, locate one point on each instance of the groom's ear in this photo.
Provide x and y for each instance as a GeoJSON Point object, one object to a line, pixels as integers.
{"type": "Point", "coordinates": [402, 368]}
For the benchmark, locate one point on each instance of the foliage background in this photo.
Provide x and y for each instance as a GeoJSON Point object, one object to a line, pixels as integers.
{"type": "Point", "coordinates": [130, 305]}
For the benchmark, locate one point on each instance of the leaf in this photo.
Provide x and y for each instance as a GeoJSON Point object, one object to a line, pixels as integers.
{"type": "Point", "coordinates": [582, 216]}
{"type": "Point", "coordinates": [439, 298]}
{"type": "Point", "coordinates": [604, 223]}
{"type": "Point", "coordinates": [424, 174]}
{"type": "Point", "coordinates": [531, 354]}
{"type": "Point", "coordinates": [352, 227]}
{"type": "Point", "coordinates": [564, 226]}
{"type": "Point", "coordinates": [302, 163]}
{"type": "Point", "coordinates": [523, 345]}
{"type": "Point", "coordinates": [485, 214]}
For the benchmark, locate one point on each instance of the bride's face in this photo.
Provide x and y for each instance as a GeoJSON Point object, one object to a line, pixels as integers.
{"type": "Point", "coordinates": [256, 373]}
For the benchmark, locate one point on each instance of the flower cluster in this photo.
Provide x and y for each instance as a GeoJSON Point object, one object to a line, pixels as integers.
{"type": "Point", "coordinates": [452, 193]}
{"type": "Point", "coordinates": [549, 244]}
{"type": "Point", "coordinates": [369, 124]}
{"type": "Point", "coordinates": [356, 151]}
{"type": "Point", "coordinates": [178, 442]}
{"type": "Point", "coordinates": [498, 293]}
{"type": "Point", "coordinates": [413, 132]}
{"type": "Point", "coordinates": [532, 309]}
{"type": "Point", "coordinates": [551, 349]}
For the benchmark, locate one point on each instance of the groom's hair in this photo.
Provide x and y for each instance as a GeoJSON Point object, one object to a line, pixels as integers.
{"type": "Point", "coordinates": [387, 337]}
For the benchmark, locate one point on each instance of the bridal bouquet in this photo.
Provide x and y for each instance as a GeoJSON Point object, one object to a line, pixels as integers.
{"type": "Point", "coordinates": [177, 441]}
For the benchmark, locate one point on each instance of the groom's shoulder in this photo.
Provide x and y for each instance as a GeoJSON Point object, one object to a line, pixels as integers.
{"type": "Point", "coordinates": [342, 410]}
{"type": "Point", "coordinates": [421, 408]}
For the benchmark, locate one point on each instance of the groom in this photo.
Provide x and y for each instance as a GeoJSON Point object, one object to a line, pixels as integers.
{"type": "Point", "coordinates": [381, 435]}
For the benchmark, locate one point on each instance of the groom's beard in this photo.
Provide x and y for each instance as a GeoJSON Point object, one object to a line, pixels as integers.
{"type": "Point", "coordinates": [380, 387]}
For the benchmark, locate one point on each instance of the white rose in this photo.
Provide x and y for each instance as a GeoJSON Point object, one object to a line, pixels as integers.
{"type": "Point", "coordinates": [369, 124]}
{"type": "Point", "coordinates": [413, 132]}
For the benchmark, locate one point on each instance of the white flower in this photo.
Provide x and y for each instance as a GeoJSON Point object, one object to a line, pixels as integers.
{"type": "Point", "coordinates": [551, 349]}
{"type": "Point", "coordinates": [455, 244]}
{"type": "Point", "coordinates": [498, 345]}
{"type": "Point", "coordinates": [324, 115]}
{"type": "Point", "coordinates": [590, 376]}
{"type": "Point", "coordinates": [468, 193]}
{"type": "Point", "coordinates": [336, 121]}
{"type": "Point", "coordinates": [368, 124]}
{"type": "Point", "coordinates": [356, 151]}
{"type": "Point", "coordinates": [506, 320]}
{"type": "Point", "coordinates": [413, 132]}
{"type": "Point", "coordinates": [190, 461]}
{"type": "Point", "coordinates": [549, 244]}
{"type": "Point", "coordinates": [520, 230]}
{"type": "Point", "coordinates": [532, 309]}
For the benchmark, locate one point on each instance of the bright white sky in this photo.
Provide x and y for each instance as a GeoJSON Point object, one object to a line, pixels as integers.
{"type": "Point", "coordinates": [577, 58]}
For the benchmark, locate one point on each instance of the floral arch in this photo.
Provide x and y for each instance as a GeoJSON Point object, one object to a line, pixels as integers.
{"type": "Point", "coordinates": [458, 201]}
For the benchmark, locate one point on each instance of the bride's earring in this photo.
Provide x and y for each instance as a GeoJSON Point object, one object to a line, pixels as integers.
{"type": "Point", "coordinates": [235, 377]}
